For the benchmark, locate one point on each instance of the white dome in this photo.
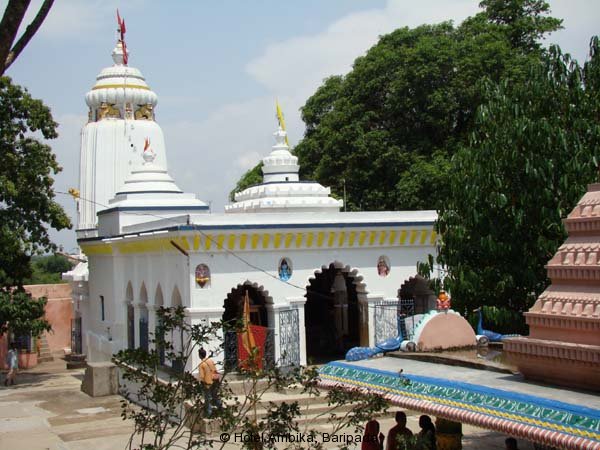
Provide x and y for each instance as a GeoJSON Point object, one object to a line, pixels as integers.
{"type": "Point", "coordinates": [282, 189]}
{"type": "Point", "coordinates": [120, 84]}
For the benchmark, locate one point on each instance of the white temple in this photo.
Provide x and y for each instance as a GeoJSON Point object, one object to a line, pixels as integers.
{"type": "Point", "coordinates": [320, 280]}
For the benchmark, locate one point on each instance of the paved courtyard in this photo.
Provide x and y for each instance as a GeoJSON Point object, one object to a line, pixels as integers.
{"type": "Point", "coordinates": [47, 411]}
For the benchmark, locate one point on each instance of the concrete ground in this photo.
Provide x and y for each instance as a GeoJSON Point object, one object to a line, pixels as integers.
{"type": "Point", "coordinates": [47, 411]}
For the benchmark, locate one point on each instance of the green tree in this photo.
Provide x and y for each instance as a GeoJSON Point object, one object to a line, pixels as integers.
{"type": "Point", "coordinates": [390, 126]}
{"type": "Point", "coordinates": [27, 206]}
{"type": "Point", "coordinates": [168, 407]}
{"type": "Point", "coordinates": [22, 314]}
{"type": "Point", "coordinates": [534, 149]}
{"type": "Point", "coordinates": [250, 178]}
{"type": "Point", "coordinates": [523, 21]}
{"type": "Point", "coordinates": [48, 269]}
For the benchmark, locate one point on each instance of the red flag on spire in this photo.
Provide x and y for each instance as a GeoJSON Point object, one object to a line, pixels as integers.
{"type": "Point", "coordinates": [121, 24]}
{"type": "Point", "coordinates": [122, 31]}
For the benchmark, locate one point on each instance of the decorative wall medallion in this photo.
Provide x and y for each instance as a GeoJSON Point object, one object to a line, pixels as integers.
{"type": "Point", "coordinates": [383, 266]}
{"type": "Point", "coordinates": [202, 276]}
{"type": "Point", "coordinates": [285, 269]}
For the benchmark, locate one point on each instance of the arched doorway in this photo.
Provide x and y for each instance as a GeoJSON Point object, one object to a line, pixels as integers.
{"type": "Point", "coordinates": [177, 335]}
{"type": "Point", "coordinates": [130, 316]}
{"type": "Point", "coordinates": [417, 289]}
{"type": "Point", "coordinates": [232, 314]}
{"type": "Point", "coordinates": [332, 314]}
{"type": "Point", "coordinates": [415, 299]}
{"type": "Point", "coordinates": [143, 319]}
{"type": "Point", "coordinates": [159, 303]}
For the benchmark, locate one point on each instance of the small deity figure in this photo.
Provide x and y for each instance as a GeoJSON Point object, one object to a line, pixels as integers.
{"type": "Point", "coordinates": [443, 302]}
{"type": "Point", "coordinates": [285, 273]}
{"type": "Point", "coordinates": [90, 115]}
{"type": "Point", "coordinates": [144, 112]}
{"type": "Point", "coordinates": [128, 111]}
{"type": "Point", "coordinates": [108, 111]}
{"type": "Point", "coordinates": [202, 276]}
{"type": "Point", "coordinates": [383, 268]}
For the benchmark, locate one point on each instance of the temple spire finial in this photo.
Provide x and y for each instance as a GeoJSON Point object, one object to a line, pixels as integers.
{"type": "Point", "coordinates": [122, 30]}
{"type": "Point", "coordinates": [281, 120]}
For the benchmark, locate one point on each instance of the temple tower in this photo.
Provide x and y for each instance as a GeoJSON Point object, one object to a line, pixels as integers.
{"type": "Point", "coordinates": [120, 119]}
{"type": "Point", "coordinates": [563, 345]}
{"type": "Point", "coordinates": [281, 189]}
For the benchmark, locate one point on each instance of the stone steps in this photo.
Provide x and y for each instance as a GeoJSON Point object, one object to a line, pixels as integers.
{"type": "Point", "coordinates": [45, 354]}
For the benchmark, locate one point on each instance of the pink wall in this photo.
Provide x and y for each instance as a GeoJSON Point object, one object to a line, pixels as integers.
{"type": "Point", "coordinates": [58, 312]}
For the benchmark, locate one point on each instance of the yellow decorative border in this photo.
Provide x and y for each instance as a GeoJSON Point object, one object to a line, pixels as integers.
{"type": "Point", "coordinates": [96, 249]}
{"type": "Point", "coordinates": [276, 240]}
{"type": "Point", "coordinates": [118, 86]}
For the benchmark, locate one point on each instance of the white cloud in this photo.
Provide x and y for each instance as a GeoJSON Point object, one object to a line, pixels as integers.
{"type": "Point", "coordinates": [209, 157]}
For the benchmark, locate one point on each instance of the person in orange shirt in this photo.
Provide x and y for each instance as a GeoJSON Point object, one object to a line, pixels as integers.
{"type": "Point", "coordinates": [209, 377]}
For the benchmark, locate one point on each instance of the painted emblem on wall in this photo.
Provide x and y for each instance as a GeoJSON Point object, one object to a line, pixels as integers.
{"type": "Point", "coordinates": [202, 276]}
{"type": "Point", "coordinates": [285, 269]}
{"type": "Point", "coordinates": [383, 266]}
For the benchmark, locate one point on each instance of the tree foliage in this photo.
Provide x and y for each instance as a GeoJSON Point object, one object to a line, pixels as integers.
{"type": "Point", "coordinates": [168, 407]}
{"type": "Point", "coordinates": [534, 149]}
{"type": "Point", "coordinates": [250, 178]}
{"type": "Point", "coordinates": [22, 314]}
{"type": "Point", "coordinates": [390, 126]}
{"type": "Point", "coordinates": [48, 269]}
{"type": "Point", "coordinates": [27, 206]}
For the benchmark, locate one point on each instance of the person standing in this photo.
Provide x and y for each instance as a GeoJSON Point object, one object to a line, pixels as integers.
{"type": "Point", "coordinates": [209, 377]}
{"type": "Point", "coordinates": [399, 437]}
{"type": "Point", "coordinates": [12, 361]}
{"type": "Point", "coordinates": [373, 438]}
{"type": "Point", "coordinates": [426, 437]}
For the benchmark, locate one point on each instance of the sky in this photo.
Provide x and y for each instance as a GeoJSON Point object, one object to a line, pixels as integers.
{"type": "Point", "coordinates": [217, 68]}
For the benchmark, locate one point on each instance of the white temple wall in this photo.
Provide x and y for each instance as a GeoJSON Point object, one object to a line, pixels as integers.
{"type": "Point", "coordinates": [169, 271]}
{"type": "Point", "coordinates": [109, 150]}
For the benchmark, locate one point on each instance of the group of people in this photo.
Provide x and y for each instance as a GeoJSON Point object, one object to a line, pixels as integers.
{"type": "Point", "coordinates": [400, 437]}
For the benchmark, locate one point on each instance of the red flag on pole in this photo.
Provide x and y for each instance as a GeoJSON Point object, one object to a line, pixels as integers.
{"type": "Point", "coordinates": [122, 31]}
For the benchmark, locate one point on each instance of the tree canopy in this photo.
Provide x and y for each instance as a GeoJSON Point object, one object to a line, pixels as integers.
{"type": "Point", "coordinates": [390, 126]}
{"type": "Point", "coordinates": [48, 269]}
{"type": "Point", "coordinates": [27, 205]}
{"type": "Point", "coordinates": [534, 148]}
{"type": "Point", "coordinates": [23, 314]}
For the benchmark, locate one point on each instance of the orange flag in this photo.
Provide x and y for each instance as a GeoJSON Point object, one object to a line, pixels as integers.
{"type": "Point", "coordinates": [247, 335]}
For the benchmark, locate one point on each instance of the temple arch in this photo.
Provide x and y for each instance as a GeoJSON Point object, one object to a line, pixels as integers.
{"type": "Point", "coordinates": [143, 318]}
{"type": "Point", "coordinates": [260, 315]}
{"type": "Point", "coordinates": [159, 303]}
{"type": "Point", "coordinates": [176, 298]}
{"type": "Point", "coordinates": [177, 335]}
{"type": "Point", "coordinates": [336, 316]}
{"type": "Point", "coordinates": [130, 316]}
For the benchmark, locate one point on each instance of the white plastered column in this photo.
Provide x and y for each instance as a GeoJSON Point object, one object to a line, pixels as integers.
{"type": "Point", "coordinates": [273, 317]}
{"type": "Point", "coordinates": [206, 316]}
{"type": "Point", "coordinates": [298, 303]}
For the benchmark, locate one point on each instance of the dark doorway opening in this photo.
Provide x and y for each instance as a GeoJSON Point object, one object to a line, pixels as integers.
{"type": "Point", "coordinates": [417, 289]}
{"type": "Point", "coordinates": [331, 315]}
{"type": "Point", "coordinates": [234, 310]}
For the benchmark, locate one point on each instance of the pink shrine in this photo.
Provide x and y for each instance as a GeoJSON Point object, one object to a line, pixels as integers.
{"type": "Point", "coordinates": [563, 346]}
